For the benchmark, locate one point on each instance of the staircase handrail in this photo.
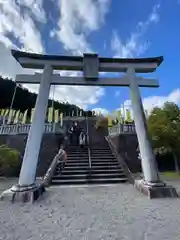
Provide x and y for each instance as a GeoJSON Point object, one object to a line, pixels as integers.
{"type": "Point", "coordinates": [121, 160]}
{"type": "Point", "coordinates": [89, 151]}
{"type": "Point", "coordinates": [47, 178]}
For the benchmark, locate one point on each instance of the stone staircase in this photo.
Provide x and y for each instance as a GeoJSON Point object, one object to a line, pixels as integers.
{"type": "Point", "coordinates": [105, 168]}
{"type": "Point", "coordinates": [77, 168]}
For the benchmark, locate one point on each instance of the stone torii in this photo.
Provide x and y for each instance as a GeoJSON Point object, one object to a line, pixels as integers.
{"type": "Point", "coordinates": [90, 65]}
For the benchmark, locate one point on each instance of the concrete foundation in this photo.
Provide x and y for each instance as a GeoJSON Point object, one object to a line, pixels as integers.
{"type": "Point", "coordinates": [23, 194]}
{"type": "Point", "coordinates": [156, 191]}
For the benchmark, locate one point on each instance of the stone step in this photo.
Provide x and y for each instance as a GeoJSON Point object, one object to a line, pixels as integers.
{"type": "Point", "coordinates": [106, 155]}
{"type": "Point", "coordinates": [77, 161]}
{"type": "Point", "coordinates": [88, 181]}
{"type": "Point", "coordinates": [93, 163]}
{"type": "Point", "coordinates": [86, 167]}
{"type": "Point", "coordinates": [77, 152]}
{"type": "Point", "coordinates": [77, 148]}
{"type": "Point", "coordinates": [93, 171]}
{"type": "Point", "coordinates": [100, 150]}
{"type": "Point", "coordinates": [104, 163]}
{"type": "Point", "coordinates": [70, 155]}
{"type": "Point", "coordinates": [92, 159]}
{"type": "Point", "coordinates": [77, 155]}
{"type": "Point", "coordinates": [108, 160]}
{"type": "Point", "coordinates": [103, 157]}
{"type": "Point", "coordinates": [105, 167]}
{"type": "Point", "coordinates": [76, 164]}
{"type": "Point", "coordinates": [89, 176]}
{"type": "Point", "coordinates": [91, 152]}
{"type": "Point", "coordinates": [101, 153]}
{"type": "Point", "coordinates": [95, 158]}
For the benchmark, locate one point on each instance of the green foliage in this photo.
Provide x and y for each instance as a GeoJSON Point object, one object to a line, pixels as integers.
{"type": "Point", "coordinates": [9, 161]}
{"type": "Point", "coordinates": [164, 128]}
{"type": "Point", "coordinates": [102, 122]}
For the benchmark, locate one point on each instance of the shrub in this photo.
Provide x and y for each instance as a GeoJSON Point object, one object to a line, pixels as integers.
{"type": "Point", "coordinates": [9, 161]}
{"type": "Point", "coordinates": [102, 122]}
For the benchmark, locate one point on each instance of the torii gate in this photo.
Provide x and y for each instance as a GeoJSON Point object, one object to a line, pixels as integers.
{"type": "Point", "coordinates": [90, 65]}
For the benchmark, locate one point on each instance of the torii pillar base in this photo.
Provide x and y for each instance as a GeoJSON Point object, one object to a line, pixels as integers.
{"type": "Point", "coordinates": [23, 193]}
{"type": "Point", "coordinates": [155, 190]}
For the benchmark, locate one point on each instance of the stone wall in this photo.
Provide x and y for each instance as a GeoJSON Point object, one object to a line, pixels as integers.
{"type": "Point", "coordinates": [49, 147]}
{"type": "Point", "coordinates": [126, 145]}
{"type": "Point", "coordinates": [96, 136]}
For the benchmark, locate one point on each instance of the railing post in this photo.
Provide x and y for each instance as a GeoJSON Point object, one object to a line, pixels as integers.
{"type": "Point", "coordinates": [121, 128]}
{"type": "Point", "coordinates": [54, 127]}
{"type": "Point", "coordinates": [89, 153]}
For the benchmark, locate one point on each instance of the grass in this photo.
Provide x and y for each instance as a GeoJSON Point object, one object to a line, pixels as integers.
{"type": "Point", "coordinates": [170, 175]}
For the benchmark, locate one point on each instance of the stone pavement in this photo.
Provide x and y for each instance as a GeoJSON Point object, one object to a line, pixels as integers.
{"type": "Point", "coordinates": [94, 213]}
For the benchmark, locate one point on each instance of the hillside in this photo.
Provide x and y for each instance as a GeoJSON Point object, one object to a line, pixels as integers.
{"type": "Point", "coordinates": [24, 99]}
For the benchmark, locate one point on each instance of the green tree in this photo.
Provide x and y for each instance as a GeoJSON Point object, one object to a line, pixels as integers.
{"type": "Point", "coordinates": [164, 128]}
{"type": "Point", "coordinates": [9, 161]}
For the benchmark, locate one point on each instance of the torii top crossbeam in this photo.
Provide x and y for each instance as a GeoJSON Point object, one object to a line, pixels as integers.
{"type": "Point", "coordinates": [76, 63]}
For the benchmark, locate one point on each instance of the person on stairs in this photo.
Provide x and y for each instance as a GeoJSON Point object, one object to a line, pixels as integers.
{"type": "Point", "coordinates": [70, 133]}
{"type": "Point", "coordinates": [82, 139]}
{"type": "Point", "coordinates": [76, 133]}
{"type": "Point", "coordinates": [61, 159]}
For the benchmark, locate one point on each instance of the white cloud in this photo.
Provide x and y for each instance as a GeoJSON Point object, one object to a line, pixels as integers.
{"type": "Point", "coordinates": [117, 93]}
{"type": "Point", "coordinates": [79, 95]}
{"type": "Point", "coordinates": [20, 22]}
{"type": "Point", "coordinates": [35, 8]}
{"type": "Point", "coordinates": [134, 47]}
{"type": "Point", "coordinates": [157, 101]}
{"type": "Point", "coordinates": [78, 20]}
{"type": "Point", "coordinates": [52, 33]}
{"type": "Point", "coordinates": [21, 26]}
{"type": "Point", "coordinates": [131, 49]}
{"type": "Point", "coordinates": [9, 67]}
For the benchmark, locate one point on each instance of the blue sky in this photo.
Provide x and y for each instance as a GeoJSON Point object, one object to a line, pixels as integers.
{"type": "Point", "coordinates": [113, 28]}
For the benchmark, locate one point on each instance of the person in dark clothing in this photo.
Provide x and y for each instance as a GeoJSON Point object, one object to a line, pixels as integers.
{"type": "Point", "coordinates": [70, 134]}
{"type": "Point", "coordinates": [76, 133]}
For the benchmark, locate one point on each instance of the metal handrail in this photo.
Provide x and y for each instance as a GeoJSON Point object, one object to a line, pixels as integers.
{"type": "Point", "coordinates": [122, 129]}
{"type": "Point", "coordinates": [47, 178]}
{"type": "Point", "coordinates": [120, 160]}
{"type": "Point", "coordinates": [13, 129]}
{"type": "Point", "coordinates": [89, 151]}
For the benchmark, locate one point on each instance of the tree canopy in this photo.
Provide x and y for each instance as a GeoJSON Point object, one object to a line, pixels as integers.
{"type": "Point", "coordinates": [164, 127]}
{"type": "Point", "coordinates": [24, 99]}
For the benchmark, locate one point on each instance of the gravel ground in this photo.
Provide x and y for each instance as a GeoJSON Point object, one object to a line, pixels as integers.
{"type": "Point", "coordinates": [79, 213]}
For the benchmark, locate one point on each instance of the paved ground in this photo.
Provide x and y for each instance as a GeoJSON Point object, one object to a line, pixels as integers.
{"type": "Point", "coordinates": [106, 212]}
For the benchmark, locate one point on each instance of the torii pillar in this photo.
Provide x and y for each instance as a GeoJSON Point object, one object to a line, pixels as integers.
{"type": "Point", "coordinates": [151, 185]}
